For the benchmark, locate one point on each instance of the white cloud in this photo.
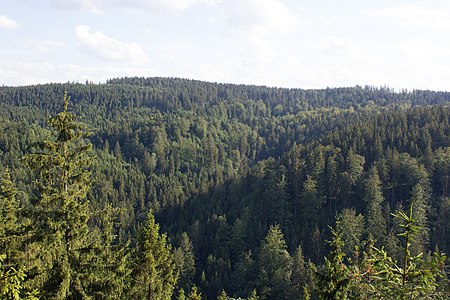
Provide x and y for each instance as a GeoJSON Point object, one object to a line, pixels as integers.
{"type": "Point", "coordinates": [178, 5]}
{"type": "Point", "coordinates": [44, 46]}
{"type": "Point", "coordinates": [107, 48]}
{"type": "Point", "coordinates": [7, 23]}
{"type": "Point", "coordinates": [256, 34]}
{"type": "Point", "coordinates": [24, 73]}
{"type": "Point", "coordinates": [93, 6]}
{"type": "Point", "coordinates": [335, 46]}
{"type": "Point", "coordinates": [101, 6]}
{"type": "Point", "coordinates": [261, 17]}
{"type": "Point", "coordinates": [417, 16]}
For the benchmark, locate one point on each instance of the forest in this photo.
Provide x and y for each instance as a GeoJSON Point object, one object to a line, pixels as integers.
{"type": "Point", "coordinates": [167, 188]}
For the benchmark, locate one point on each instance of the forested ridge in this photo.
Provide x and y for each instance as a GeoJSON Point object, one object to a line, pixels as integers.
{"type": "Point", "coordinates": [165, 188]}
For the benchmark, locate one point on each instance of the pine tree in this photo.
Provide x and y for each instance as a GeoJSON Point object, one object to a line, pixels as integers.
{"type": "Point", "coordinates": [411, 278]}
{"type": "Point", "coordinates": [155, 273]}
{"type": "Point", "coordinates": [352, 226]}
{"type": "Point", "coordinates": [194, 294]}
{"type": "Point", "coordinates": [69, 259]}
{"type": "Point", "coordinates": [376, 223]}
{"type": "Point", "coordinates": [12, 271]}
{"type": "Point", "coordinates": [274, 265]}
{"type": "Point", "coordinates": [11, 283]}
{"type": "Point", "coordinates": [9, 226]}
{"type": "Point", "coordinates": [419, 202]}
{"type": "Point", "coordinates": [334, 277]}
{"type": "Point", "coordinates": [223, 296]}
{"type": "Point", "coordinates": [298, 276]}
{"type": "Point", "coordinates": [61, 211]}
{"type": "Point", "coordinates": [253, 295]}
{"type": "Point", "coordinates": [185, 262]}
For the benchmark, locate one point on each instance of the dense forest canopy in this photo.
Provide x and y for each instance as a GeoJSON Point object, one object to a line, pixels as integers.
{"type": "Point", "coordinates": [220, 189]}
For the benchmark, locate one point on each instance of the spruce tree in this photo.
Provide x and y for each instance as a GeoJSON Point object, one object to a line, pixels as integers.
{"type": "Point", "coordinates": [9, 225]}
{"type": "Point", "coordinates": [376, 223]}
{"type": "Point", "coordinates": [298, 276]}
{"type": "Point", "coordinates": [61, 211]}
{"type": "Point", "coordinates": [155, 273]}
{"type": "Point", "coordinates": [185, 262]}
{"type": "Point", "coordinates": [275, 266]}
{"type": "Point", "coordinates": [69, 257]}
{"type": "Point", "coordinates": [413, 277]}
{"type": "Point", "coordinates": [12, 237]}
{"type": "Point", "coordinates": [334, 277]}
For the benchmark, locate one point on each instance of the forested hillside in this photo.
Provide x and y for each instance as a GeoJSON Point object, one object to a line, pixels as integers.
{"type": "Point", "coordinates": [259, 192]}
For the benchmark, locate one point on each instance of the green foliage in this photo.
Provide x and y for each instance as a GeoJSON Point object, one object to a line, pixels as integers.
{"type": "Point", "coordinates": [69, 259]}
{"type": "Point", "coordinates": [11, 283]}
{"type": "Point", "coordinates": [155, 273]}
{"type": "Point", "coordinates": [376, 223]}
{"type": "Point", "coordinates": [335, 276]}
{"type": "Point", "coordinates": [352, 226]}
{"type": "Point", "coordinates": [194, 294]}
{"type": "Point", "coordinates": [414, 277]}
{"type": "Point", "coordinates": [275, 265]}
{"type": "Point", "coordinates": [221, 163]}
{"type": "Point", "coordinates": [185, 262]}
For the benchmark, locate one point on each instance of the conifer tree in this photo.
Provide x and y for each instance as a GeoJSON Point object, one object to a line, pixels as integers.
{"type": "Point", "coordinates": [223, 296]}
{"type": "Point", "coordinates": [411, 278]}
{"type": "Point", "coordinates": [155, 273]}
{"type": "Point", "coordinates": [298, 276]}
{"type": "Point", "coordinates": [274, 265]}
{"type": "Point", "coordinates": [61, 210]}
{"type": "Point", "coordinates": [9, 209]}
{"type": "Point", "coordinates": [11, 283]}
{"type": "Point", "coordinates": [70, 258]}
{"type": "Point", "coordinates": [376, 223]}
{"type": "Point", "coordinates": [12, 271]}
{"type": "Point", "coordinates": [253, 295]}
{"type": "Point", "coordinates": [194, 294]}
{"type": "Point", "coordinates": [185, 262]}
{"type": "Point", "coordinates": [334, 278]}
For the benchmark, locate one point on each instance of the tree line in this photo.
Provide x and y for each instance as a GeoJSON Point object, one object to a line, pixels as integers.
{"type": "Point", "coordinates": [245, 181]}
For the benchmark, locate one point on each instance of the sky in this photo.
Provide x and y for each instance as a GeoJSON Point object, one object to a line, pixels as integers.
{"type": "Point", "coordinates": [284, 43]}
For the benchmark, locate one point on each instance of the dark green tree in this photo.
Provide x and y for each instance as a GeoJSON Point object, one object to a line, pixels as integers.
{"type": "Point", "coordinates": [12, 270]}
{"type": "Point", "coordinates": [298, 276]}
{"type": "Point", "coordinates": [185, 262]}
{"type": "Point", "coordinates": [334, 278]}
{"type": "Point", "coordinates": [352, 226]}
{"type": "Point", "coordinates": [376, 223]}
{"type": "Point", "coordinates": [10, 228]}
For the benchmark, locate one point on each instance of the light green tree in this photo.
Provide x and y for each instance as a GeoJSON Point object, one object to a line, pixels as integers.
{"type": "Point", "coordinates": [68, 258]}
{"type": "Point", "coordinates": [12, 274]}
{"type": "Point", "coordinates": [61, 210]}
{"type": "Point", "coordinates": [414, 277]}
{"type": "Point", "coordinates": [275, 265]}
{"type": "Point", "coordinates": [334, 277]}
{"type": "Point", "coordinates": [194, 294]}
{"type": "Point", "coordinates": [155, 273]}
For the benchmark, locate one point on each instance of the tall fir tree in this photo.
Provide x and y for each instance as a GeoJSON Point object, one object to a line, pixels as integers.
{"type": "Point", "coordinates": [67, 252]}
{"type": "Point", "coordinates": [413, 277]}
{"type": "Point", "coordinates": [334, 277]}
{"type": "Point", "coordinates": [376, 223]}
{"type": "Point", "coordinates": [12, 240]}
{"type": "Point", "coordinates": [155, 274]}
{"type": "Point", "coordinates": [275, 266]}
